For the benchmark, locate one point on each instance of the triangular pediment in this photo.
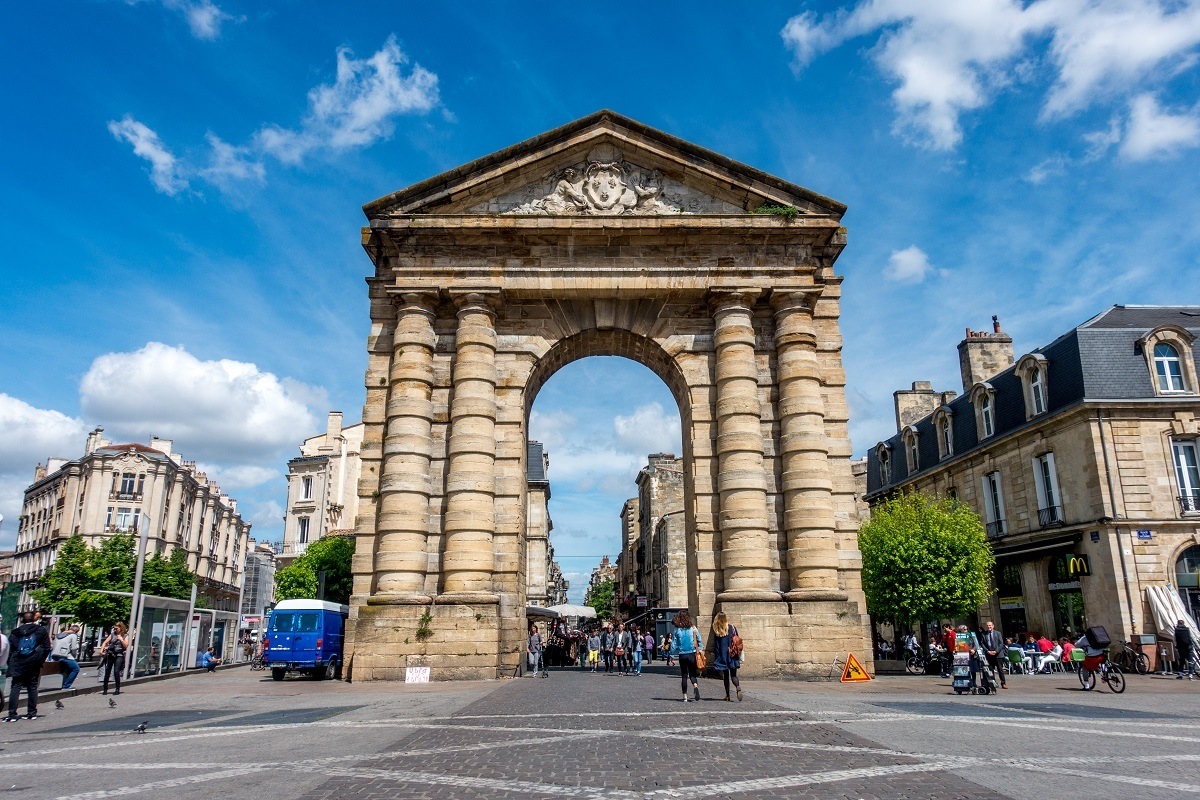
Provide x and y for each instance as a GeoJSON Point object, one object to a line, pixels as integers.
{"type": "Point", "coordinates": [602, 165]}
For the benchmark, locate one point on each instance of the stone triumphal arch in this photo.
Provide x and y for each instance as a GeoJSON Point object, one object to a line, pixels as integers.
{"type": "Point", "coordinates": [603, 237]}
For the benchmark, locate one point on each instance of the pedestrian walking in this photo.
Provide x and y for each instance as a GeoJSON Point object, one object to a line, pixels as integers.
{"type": "Point", "coordinates": [608, 647]}
{"type": "Point", "coordinates": [65, 651]}
{"type": "Point", "coordinates": [623, 648]}
{"type": "Point", "coordinates": [534, 649]}
{"type": "Point", "coordinates": [113, 650]}
{"type": "Point", "coordinates": [1183, 650]}
{"type": "Point", "coordinates": [687, 646]}
{"type": "Point", "coordinates": [593, 650]}
{"type": "Point", "coordinates": [993, 646]}
{"type": "Point", "coordinates": [636, 637]}
{"type": "Point", "coordinates": [28, 649]}
{"type": "Point", "coordinates": [727, 647]}
{"type": "Point", "coordinates": [649, 647]}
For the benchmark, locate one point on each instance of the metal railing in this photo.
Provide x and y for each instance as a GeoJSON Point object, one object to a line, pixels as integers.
{"type": "Point", "coordinates": [995, 529]}
{"type": "Point", "coordinates": [1189, 503]}
{"type": "Point", "coordinates": [1050, 515]}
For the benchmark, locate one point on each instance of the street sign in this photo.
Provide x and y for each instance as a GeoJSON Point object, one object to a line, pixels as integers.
{"type": "Point", "coordinates": [1095, 536]}
{"type": "Point", "coordinates": [854, 671]}
{"type": "Point", "coordinates": [1144, 536]}
{"type": "Point", "coordinates": [642, 601]}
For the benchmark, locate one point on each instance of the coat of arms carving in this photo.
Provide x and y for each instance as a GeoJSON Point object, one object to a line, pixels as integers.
{"type": "Point", "coordinates": [605, 189]}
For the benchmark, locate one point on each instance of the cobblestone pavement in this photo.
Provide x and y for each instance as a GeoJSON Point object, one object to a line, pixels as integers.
{"type": "Point", "coordinates": [578, 735]}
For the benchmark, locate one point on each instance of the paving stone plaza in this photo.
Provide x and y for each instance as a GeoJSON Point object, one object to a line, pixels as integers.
{"type": "Point", "coordinates": [579, 735]}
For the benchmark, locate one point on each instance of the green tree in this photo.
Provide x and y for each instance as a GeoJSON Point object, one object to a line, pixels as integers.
{"type": "Point", "coordinates": [924, 559]}
{"type": "Point", "coordinates": [602, 598]}
{"type": "Point", "coordinates": [299, 580]}
{"type": "Point", "coordinates": [168, 577]}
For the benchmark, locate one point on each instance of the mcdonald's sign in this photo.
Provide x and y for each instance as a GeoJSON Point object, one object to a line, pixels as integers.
{"type": "Point", "coordinates": [1077, 565]}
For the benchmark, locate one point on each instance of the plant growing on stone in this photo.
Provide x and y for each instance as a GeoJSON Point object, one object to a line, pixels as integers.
{"type": "Point", "coordinates": [787, 212]}
{"type": "Point", "coordinates": [423, 629]}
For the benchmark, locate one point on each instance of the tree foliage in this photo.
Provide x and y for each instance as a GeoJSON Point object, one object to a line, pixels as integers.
{"type": "Point", "coordinates": [299, 580]}
{"type": "Point", "coordinates": [924, 559]}
{"type": "Point", "coordinates": [68, 587]}
{"type": "Point", "coordinates": [602, 598]}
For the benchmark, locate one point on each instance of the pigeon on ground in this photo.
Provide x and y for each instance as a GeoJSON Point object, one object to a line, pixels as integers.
{"type": "Point", "coordinates": [112, 703]}
{"type": "Point", "coordinates": [58, 704]}
{"type": "Point", "coordinates": [141, 728]}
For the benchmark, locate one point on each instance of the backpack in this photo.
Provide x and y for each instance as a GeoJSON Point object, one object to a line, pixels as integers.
{"type": "Point", "coordinates": [735, 644]}
{"type": "Point", "coordinates": [27, 644]}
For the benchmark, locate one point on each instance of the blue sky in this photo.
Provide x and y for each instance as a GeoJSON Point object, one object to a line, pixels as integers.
{"type": "Point", "coordinates": [183, 182]}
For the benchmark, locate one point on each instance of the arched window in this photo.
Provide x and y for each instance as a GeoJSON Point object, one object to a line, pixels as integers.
{"type": "Point", "coordinates": [884, 456]}
{"type": "Point", "coordinates": [912, 449]}
{"type": "Point", "coordinates": [987, 416]}
{"type": "Point", "coordinates": [1037, 391]}
{"type": "Point", "coordinates": [983, 398]}
{"type": "Point", "coordinates": [947, 436]}
{"type": "Point", "coordinates": [1168, 368]}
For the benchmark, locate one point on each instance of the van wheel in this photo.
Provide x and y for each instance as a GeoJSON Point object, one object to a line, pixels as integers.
{"type": "Point", "coordinates": [334, 670]}
{"type": "Point", "coordinates": [318, 673]}
{"type": "Point", "coordinates": [277, 674]}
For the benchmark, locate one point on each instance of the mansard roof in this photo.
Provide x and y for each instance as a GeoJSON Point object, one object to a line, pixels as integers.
{"type": "Point", "coordinates": [488, 185]}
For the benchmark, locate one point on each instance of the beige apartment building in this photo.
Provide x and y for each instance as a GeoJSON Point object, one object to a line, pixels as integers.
{"type": "Point", "coordinates": [322, 496]}
{"type": "Point", "coordinates": [1081, 458]}
{"type": "Point", "coordinates": [653, 559]}
{"type": "Point", "coordinates": [544, 581]}
{"type": "Point", "coordinates": [133, 488]}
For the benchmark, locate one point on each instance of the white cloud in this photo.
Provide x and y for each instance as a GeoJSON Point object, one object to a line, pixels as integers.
{"type": "Point", "coordinates": [649, 429]}
{"type": "Point", "coordinates": [240, 476]}
{"type": "Point", "coordinates": [909, 265]}
{"type": "Point", "coordinates": [165, 171]}
{"type": "Point", "coordinates": [31, 436]}
{"type": "Point", "coordinates": [1156, 133]}
{"type": "Point", "coordinates": [553, 430]}
{"type": "Point", "coordinates": [949, 57]}
{"type": "Point", "coordinates": [203, 17]}
{"type": "Point", "coordinates": [358, 108]}
{"type": "Point", "coordinates": [266, 515]}
{"type": "Point", "coordinates": [227, 412]}
{"type": "Point", "coordinates": [1051, 167]}
{"type": "Point", "coordinates": [229, 163]}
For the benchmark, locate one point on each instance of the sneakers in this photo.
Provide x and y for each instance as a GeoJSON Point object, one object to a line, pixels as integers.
{"type": "Point", "coordinates": [14, 719]}
{"type": "Point", "coordinates": [31, 716]}
{"type": "Point", "coordinates": [685, 699]}
{"type": "Point", "coordinates": [696, 692]}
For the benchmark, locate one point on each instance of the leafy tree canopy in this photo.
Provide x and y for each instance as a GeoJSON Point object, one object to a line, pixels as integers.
{"type": "Point", "coordinates": [602, 598]}
{"type": "Point", "coordinates": [68, 587]}
{"type": "Point", "coordinates": [300, 579]}
{"type": "Point", "coordinates": [924, 559]}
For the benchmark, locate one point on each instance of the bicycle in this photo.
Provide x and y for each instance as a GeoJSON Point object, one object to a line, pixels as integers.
{"type": "Point", "coordinates": [916, 663]}
{"type": "Point", "coordinates": [1108, 672]}
{"type": "Point", "coordinates": [259, 662]}
{"type": "Point", "coordinates": [1132, 660]}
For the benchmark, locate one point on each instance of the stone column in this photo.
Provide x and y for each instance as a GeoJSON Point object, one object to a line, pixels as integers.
{"type": "Point", "coordinates": [741, 477]}
{"type": "Point", "coordinates": [812, 557]}
{"type": "Point", "coordinates": [470, 522]}
{"type": "Point", "coordinates": [401, 561]}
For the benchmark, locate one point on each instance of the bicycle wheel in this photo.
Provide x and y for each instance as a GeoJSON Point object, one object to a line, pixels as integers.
{"type": "Point", "coordinates": [1115, 679]}
{"type": "Point", "coordinates": [914, 665]}
{"type": "Point", "coordinates": [1141, 664]}
{"type": "Point", "coordinates": [1087, 679]}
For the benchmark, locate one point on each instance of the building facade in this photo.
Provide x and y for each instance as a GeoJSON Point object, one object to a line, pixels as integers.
{"type": "Point", "coordinates": [258, 591]}
{"type": "Point", "coordinates": [322, 497]}
{"type": "Point", "coordinates": [128, 488]}
{"type": "Point", "coordinates": [1080, 457]}
{"type": "Point", "coordinates": [544, 582]}
{"type": "Point", "coordinates": [662, 552]}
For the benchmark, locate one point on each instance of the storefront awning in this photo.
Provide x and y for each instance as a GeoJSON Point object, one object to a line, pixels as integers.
{"type": "Point", "coordinates": [1168, 609]}
{"type": "Point", "coordinates": [1038, 545]}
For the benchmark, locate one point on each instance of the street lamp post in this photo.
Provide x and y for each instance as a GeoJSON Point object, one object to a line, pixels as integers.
{"type": "Point", "coordinates": [137, 596]}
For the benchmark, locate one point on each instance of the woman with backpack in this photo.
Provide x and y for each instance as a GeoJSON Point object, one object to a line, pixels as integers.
{"type": "Point", "coordinates": [688, 647]}
{"type": "Point", "coordinates": [728, 648]}
{"type": "Point", "coordinates": [113, 653]}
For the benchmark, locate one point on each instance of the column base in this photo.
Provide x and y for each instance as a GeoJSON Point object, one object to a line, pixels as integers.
{"type": "Point", "coordinates": [798, 640]}
{"type": "Point", "coordinates": [399, 599]}
{"type": "Point", "coordinates": [811, 595]}
{"type": "Point", "coordinates": [749, 596]}
{"type": "Point", "coordinates": [467, 599]}
{"type": "Point", "coordinates": [456, 642]}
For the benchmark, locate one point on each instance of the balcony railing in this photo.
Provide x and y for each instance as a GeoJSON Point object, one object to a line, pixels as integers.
{"type": "Point", "coordinates": [1189, 503]}
{"type": "Point", "coordinates": [995, 529]}
{"type": "Point", "coordinates": [124, 495]}
{"type": "Point", "coordinates": [1051, 515]}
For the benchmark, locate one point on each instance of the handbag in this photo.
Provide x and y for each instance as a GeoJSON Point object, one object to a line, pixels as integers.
{"type": "Point", "coordinates": [735, 645]}
{"type": "Point", "coordinates": [701, 661]}
{"type": "Point", "coordinates": [620, 651]}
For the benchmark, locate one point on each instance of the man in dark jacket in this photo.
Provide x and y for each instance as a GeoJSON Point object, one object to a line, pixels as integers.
{"type": "Point", "coordinates": [28, 648]}
{"type": "Point", "coordinates": [1183, 649]}
{"type": "Point", "coordinates": [993, 645]}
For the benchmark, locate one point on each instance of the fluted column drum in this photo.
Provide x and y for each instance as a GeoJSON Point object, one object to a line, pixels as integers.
{"type": "Point", "coordinates": [812, 558]}
{"type": "Point", "coordinates": [470, 522]}
{"type": "Point", "coordinates": [741, 481]}
{"type": "Point", "coordinates": [404, 488]}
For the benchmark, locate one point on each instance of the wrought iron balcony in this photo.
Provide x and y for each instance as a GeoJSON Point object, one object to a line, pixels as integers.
{"type": "Point", "coordinates": [995, 529]}
{"type": "Point", "coordinates": [1189, 503]}
{"type": "Point", "coordinates": [1051, 515]}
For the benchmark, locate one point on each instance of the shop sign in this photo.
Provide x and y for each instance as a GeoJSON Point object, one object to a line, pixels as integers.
{"type": "Point", "coordinates": [1065, 586]}
{"type": "Point", "coordinates": [1078, 565]}
{"type": "Point", "coordinates": [1095, 536]}
{"type": "Point", "coordinates": [1144, 536]}
{"type": "Point", "coordinates": [1008, 603]}
{"type": "Point", "coordinates": [642, 601]}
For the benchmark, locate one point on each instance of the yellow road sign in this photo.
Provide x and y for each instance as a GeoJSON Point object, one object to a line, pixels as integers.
{"type": "Point", "coordinates": [854, 671]}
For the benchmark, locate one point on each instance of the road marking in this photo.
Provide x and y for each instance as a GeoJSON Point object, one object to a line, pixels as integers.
{"type": "Point", "coordinates": [167, 784]}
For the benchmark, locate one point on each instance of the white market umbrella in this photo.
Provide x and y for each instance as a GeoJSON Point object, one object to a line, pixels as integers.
{"type": "Point", "coordinates": [568, 610]}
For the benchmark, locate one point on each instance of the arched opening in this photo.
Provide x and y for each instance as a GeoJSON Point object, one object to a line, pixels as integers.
{"type": "Point", "coordinates": [605, 408]}
{"type": "Point", "coordinates": [1187, 580]}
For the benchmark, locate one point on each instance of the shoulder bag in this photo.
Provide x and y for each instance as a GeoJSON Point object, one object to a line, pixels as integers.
{"type": "Point", "coordinates": [701, 662]}
{"type": "Point", "coordinates": [735, 643]}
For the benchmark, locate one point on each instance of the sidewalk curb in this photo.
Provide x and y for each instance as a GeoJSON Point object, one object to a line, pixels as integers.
{"type": "Point", "coordinates": [76, 690]}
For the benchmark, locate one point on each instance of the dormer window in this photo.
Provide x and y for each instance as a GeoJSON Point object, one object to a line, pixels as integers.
{"type": "Point", "coordinates": [1168, 352]}
{"type": "Point", "coordinates": [944, 428]}
{"type": "Point", "coordinates": [884, 456]}
{"type": "Point", "coordinates": [912, 448]}
{"type": "Point", "coordinates": [1032, 371]}
{"type": "Point", "coordinates": [983, 397]}
{"type": "Point", "coordinates": [1167, 368]}
{"type": "Point", "coordinates": [1037, 388]}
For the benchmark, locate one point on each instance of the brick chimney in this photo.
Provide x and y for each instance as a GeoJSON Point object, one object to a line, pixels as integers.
{"type": "Point", "coordinates": [984, 354]}
{"type": "Point", "coordinates": [912, 404]}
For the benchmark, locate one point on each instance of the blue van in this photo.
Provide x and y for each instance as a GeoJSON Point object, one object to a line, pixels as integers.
{"type": "Point", "coordinates": [306, 636]}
